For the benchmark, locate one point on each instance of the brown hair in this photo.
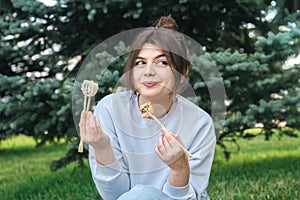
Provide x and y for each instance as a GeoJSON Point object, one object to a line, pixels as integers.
{"type": "Point", "coordinates": [166, 22]}
{"type": "Point", "coordinates": [173, 45]}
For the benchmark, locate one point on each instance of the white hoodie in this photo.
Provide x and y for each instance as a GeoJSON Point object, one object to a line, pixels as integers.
{"type": "Point", "coordinates": [134, 139]}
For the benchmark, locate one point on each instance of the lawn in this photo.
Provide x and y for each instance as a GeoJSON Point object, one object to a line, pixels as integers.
{"type": "Point", "coordinates": [260, 170]}
{"type": "Point", "coordinates": [25, 173]}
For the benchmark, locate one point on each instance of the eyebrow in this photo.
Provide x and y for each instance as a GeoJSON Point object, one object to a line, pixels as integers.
{"type": "Point", "coordinates": [156, 57]}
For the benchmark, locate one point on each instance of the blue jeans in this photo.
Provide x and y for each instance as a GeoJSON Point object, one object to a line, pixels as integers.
{"type": "Point", "coordinates": [144, 192]}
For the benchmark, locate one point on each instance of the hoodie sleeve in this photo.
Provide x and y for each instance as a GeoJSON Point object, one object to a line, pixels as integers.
{"type": "Point", "coordinates": [111, 180]}
{"type": "Point", "coordinates": [202, 149]}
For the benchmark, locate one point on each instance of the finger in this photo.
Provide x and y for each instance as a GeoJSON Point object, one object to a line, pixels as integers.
{"type": "Point", "coordinates": [170, 136]}
{"type": "Point", "coordinates": [97, 122]}
{"type": "Point", "coordinates": [98, 125]}
{"type": "Point", "coordinates": [91, 122]}
{"type": "Point", "coordinates": [82, 123]}
{"type": "Point", "coordinates": [164, 130]}
{"type": "Point", "coordinates": [167, 134]}
{"type": "Point", "coordinates": [160, 146]}
{"type": "Point", "coordinates": [159, 150]}
{"type": "Point", "coordinates": [88, 126]}
{"type": "Point", "coordinates": [158, 153]}
{"type": "Point", "coordinates": [178, 139]}
{"type": "Point", "coordinates": [166, 142]}
{"type": "Point", "coordinates": [82, 118]}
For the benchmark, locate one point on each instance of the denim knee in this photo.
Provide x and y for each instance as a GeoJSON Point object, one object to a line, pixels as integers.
{"type": "Point", "coordinates": [144, 192]}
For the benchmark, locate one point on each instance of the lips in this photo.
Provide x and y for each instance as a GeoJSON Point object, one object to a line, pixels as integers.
{"type": "Point", "coordinates": [150, 84]}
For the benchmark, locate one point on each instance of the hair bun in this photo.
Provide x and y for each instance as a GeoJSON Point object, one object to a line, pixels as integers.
{"type": "Point", "coordinates": [166, 22]}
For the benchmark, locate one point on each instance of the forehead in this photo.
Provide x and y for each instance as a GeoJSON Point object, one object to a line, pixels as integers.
{"type": "Point", "coordinates": [150, 51]}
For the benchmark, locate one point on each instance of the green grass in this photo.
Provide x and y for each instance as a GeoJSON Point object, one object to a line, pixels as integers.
{"type": "Point", "coordinates": [260, 170]}
{"type": "Point", "coordinates": [25, 173]}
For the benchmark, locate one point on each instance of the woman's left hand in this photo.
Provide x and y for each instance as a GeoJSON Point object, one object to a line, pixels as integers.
{"type": "Point", "coordinates": [170, 152]}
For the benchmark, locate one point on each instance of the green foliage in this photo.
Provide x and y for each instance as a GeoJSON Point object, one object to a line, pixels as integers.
{"type": "Point", "coordinates": [39, 108]}
{"type": "Point", "coordinates": [43, 47]}
{"type": "Point", "coordinates": [260, 90]}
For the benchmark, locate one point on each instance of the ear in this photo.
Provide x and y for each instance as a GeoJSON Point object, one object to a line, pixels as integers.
{"type": "Point", "coordinates": [187, 72]}
{"type": "Point", "coordinates": [185, 75]}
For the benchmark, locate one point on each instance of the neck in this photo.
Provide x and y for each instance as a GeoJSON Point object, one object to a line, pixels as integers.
{"type": "Point", "coordinates": [162, 104]}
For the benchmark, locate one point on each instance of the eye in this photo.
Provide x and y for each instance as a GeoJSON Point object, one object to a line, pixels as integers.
{"type": "Point", "coordinates": [140, 63]}
{"type": "Point", "coordinates": [162, 63]}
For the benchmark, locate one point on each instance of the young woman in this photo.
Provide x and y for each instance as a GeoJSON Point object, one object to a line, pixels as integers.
{"type": "Point", "coordinates": [131, 157]}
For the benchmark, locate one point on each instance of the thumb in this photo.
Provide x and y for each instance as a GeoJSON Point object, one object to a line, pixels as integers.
{"type": "Point", "coordinates": [170, 135]}
{"type": "Point", "coordinates": [82, 118]}
{"type": "Point", "coordinates": [167, 133]}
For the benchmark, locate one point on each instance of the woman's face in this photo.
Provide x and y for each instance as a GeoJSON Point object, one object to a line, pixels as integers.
{"type": "Point", "coordinates": [152, 73]}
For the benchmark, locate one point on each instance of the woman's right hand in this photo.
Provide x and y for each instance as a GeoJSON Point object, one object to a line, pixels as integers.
{"type": "Point", "coordinates": [92, 133]}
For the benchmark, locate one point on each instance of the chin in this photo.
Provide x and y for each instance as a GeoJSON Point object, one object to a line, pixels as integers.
{"type": "Point", "coordinates": [152, 93]}
{"type": "Point", "coordinates": [148, 94]}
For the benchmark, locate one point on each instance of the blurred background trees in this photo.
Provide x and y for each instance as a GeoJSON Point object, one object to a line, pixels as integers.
{"type": "Point", "coordinates": [42, 47]}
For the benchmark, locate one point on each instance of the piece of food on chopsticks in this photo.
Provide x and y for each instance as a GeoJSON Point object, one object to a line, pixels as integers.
{"type": "Point", "coordinates": [89, 89]}
{"type": "Point", "coordinates": [147, 108]}
{"type": "Point", "coordinates": [147, 111]}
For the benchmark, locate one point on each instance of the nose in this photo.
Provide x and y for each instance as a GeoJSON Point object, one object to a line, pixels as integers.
{"type": "Point", "coordinates": [149, 69]}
